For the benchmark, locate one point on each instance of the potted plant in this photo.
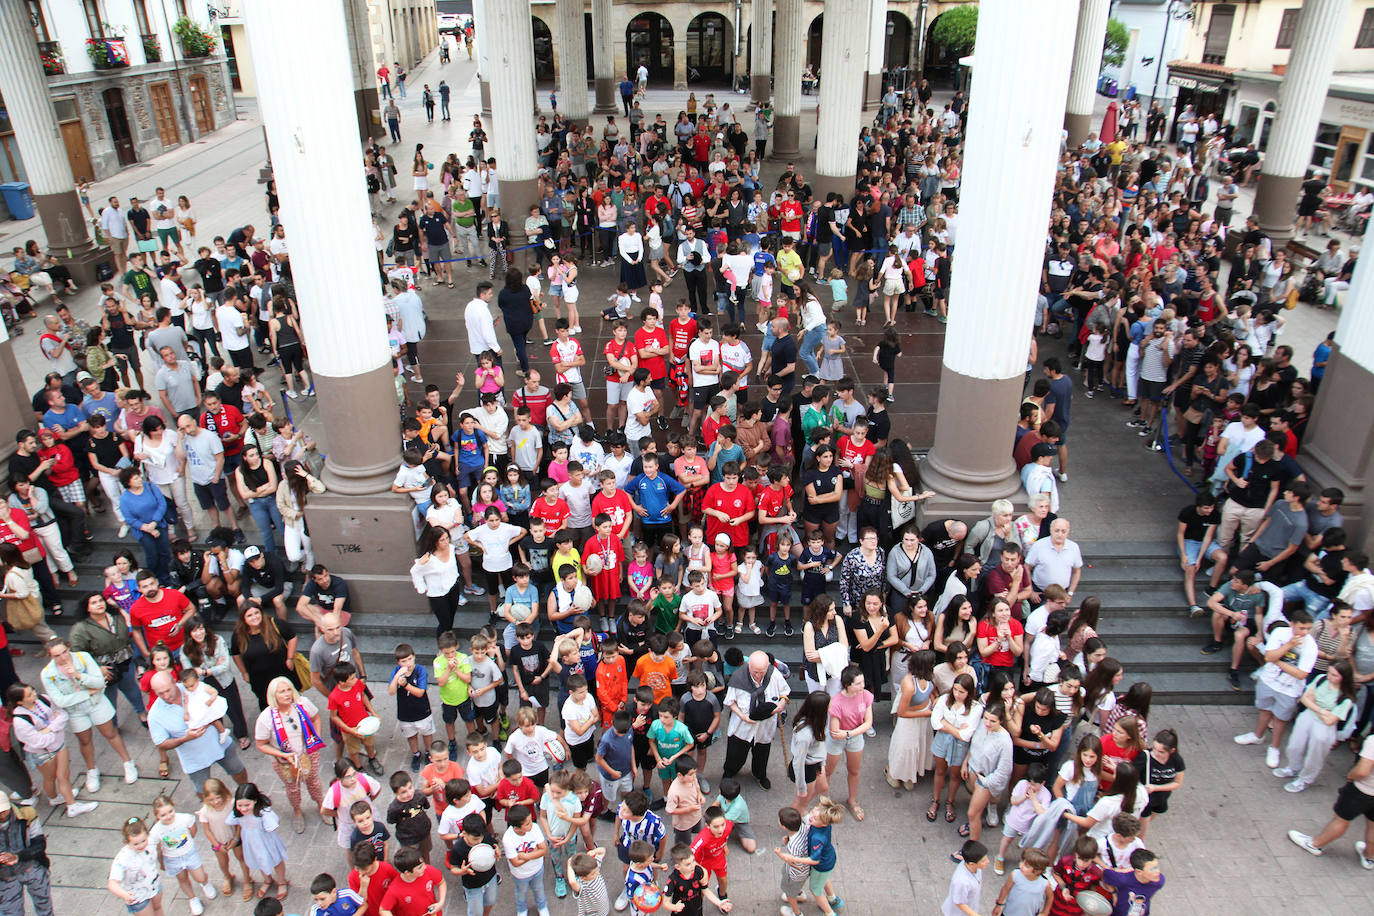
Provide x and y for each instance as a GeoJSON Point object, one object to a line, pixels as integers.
{"type": "Point", "coordinates": [152, 49]}
{"type": "Point", "coordinates": [195, 41]}
{"type": "Point", "coordinates": [50, 52]}
{"type": "Point", "coordinates": [108, 52]}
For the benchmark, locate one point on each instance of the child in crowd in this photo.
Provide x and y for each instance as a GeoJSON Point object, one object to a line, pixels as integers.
{"type": "Point", "coordinates": [330, 901]}
{"type": "Point", "coordinates": [349, 786]}
{"type": "Point", "coordinates": [732, 803]}
{"type": "Point", "coordinates": [612, 680]}
{"type": "Point", "coordinates": [584, 877]}
{"type": "Point", "coordinates": [257, 827]}
{"type": "Point", "coordinates": [205, 708]}
{"type": "Point", "coordinates": [710, 848]}
{"type": "Point", "coordinates": [479, 887]}
{"type": "Point", "coordinates": [349, 705]}
{"type": "Point", "coordinates": [217, 802]}
{"type": "Point", "coordinates": [484, 771]}
{"type": "Point", "coordinates": [460, 801]}
{"type": "Point", "coordinates": [173, 835]}
{"type": "Point", "coordinates": [409, 814]}
{"type": "Point", "coordinates": [366, 829]}
{"type": "Point", "coordinates": [687, 885]}
{"type": "Point", "coordinates": [418, 887]}
{"type": "Point", "coordinates": [684, 801]}
{"type": "Point", "coordinates": [453, 674]}
{"type": "Point", "coordinates": [560, 818]}
{"type": "Point", "coordinates": [796, 866]}
{"type": "Point", "coordinates": [531, 666]}
{"type": "Point", "coordinates": [134, 876]}
{"type": "Point", "coordinates": [1028, 891]}
{"type": "Point", "coordinates": [701, 714]}
{"type": "Point", "coordinates": [409, 684]}
{"type": "Point", "coordinates": [436, 775]}
{"type": "Point", "coordinates": [525, 847]}
{"type": "Point", "coordinates": [1029, 799]}
{"type": "Point", "coordinates": [966, 884]}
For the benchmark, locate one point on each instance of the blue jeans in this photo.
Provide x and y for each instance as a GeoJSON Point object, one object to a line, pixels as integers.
{"type": "Point", "coordinates": [157, 554]}
{"type": "Point", "coordinates": [480, 898]}
{"type": "Point", "coordinates": [127, 685]}
{"type": "Point", "coordinates": [1318, 606]}
{"type": "Point", "coordinates": [266, 515]}
{"type": "Point", "coordinates": [531, 885]}
{"type": "Point", "coordinates": [810, 342]}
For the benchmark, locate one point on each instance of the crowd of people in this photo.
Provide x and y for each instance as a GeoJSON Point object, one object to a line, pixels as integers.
{"type": "Point", "coordinates": [620, 559]}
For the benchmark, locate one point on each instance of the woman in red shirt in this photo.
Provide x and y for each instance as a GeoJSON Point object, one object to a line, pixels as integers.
{"type": "Point", "coordinates": [1122, 744]}
{"type": "Point", "coordinates": [1001, 639]}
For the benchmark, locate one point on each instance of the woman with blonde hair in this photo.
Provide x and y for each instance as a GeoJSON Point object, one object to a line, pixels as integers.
{"type": "Point", "coordinates": [289, 731]}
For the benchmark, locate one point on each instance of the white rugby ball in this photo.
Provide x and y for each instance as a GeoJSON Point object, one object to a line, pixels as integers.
{"type": "Point", "coordinates": [481, 857]}
{"type": "Point", "coordinates": [582, 598]}
{"type": "Point", "coordinates": [592, 565]}
{"type": "Point", "coordinates": [369, 726]}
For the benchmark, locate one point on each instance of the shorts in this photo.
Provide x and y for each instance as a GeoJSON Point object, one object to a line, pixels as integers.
{"type": "Point", "coordinates": [893, 287]}
{"type": "Point", "coordinates": [1158, 804]}
{"type": "Point", "coordinates": [778, 592]}
{"type": "Point", "coordinates": [173, 234]}
{"type": "Point", "coordinates": [1151, 390]}
{"type": "Point", "coordinates": [948, 748]}
{"type": "Point", "coordinates": [188, 861]}
{"type": "Point", "coordinates": [818, 881]}
{"type": "Point", "coordinates": [748, 601]}
{"type": "Point", "coordinates": [743, 832]}
{"type": "Point", "coordinates": [616, 391]}
{"type": "Point", "coordinates": [701, 397]}
{"type": "Point", "coordinates": [1010, 832]}
{"type": "Point", "coordinates": [1191, 550]}
{"type": "Point", "coordinates": [1283, 707]}
{"type": "Point", "coordinates": [488, 714]}
{"type": "Point", "coordinates": [292, 358]}
{"type": "Point", "coordinates": [1351, 803]}
{"type": "Point", "coordinates": [497, 581]}
{"type": "Point", "coordinates": [242, 358]}
{"type": "Point", "coordinates": [353, 744]}
{"type": "Point", "coordinates": [1063, 434]}
{"type": "Point", "coordinates": [686, 836]}
{"type": "Point", "coordinates": [423, 726]}
{"type": "Point", "coordinates": [834, 746]}
{"type": "Point", "coordinates": [466, 478]}
{"type": "Point", "coordinates": [791, 887]}
{"type": "Point", "coordinates": [212, 495]}
{"type": "Point", "coordinates": [36, 759]}
{"type": "Point", "coordinates": [614, 789]}
{"type": "Point", "coordinates": [668, 773]}
{"type": "Point", "coordinates": [96, 711]}
{"type": "Point", "coordinates": [141, 905]}
{"type": "Point", "coordinates": [439, 253]}
{"type": "Point", "coordinates": [263, 593]}
{"type": "Point", "coordinates": [465, 709]}
{"type": "Point", "coordinates": [579, 391]}
{"type": "Point", "coordinates": [582, 754]}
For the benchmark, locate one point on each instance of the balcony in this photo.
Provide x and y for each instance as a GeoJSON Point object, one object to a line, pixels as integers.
{"type": "Point", "coordinates": [107, 53]}
{"type": "Point", "coordinates": [1218, 59]}
{"type": "Point", "coordinates": [152, 48]}
{"type": "Point", "coordinates": [50, 52]}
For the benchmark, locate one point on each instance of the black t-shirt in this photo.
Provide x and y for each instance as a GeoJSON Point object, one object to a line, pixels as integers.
{"type": "Point", "coordinates": [40, 398]}
{"type": "Point", "coordinates": [769, 410]}
{"type": "Point", "coordinates": [940, 542]}
{"type": "Point", "coordinates": [271, 576]}
{"type": "Point", "coordinates": [634, 638]}
{"type": "Point", "coordinates": [531, 663]}
{"type": "Point", "coordinates": [879, 425]}
{"type": "Point", "coordinates": [824, 482]}
{"type": "Point", "coordinates": [106, 450]}
{"type": "Point", "coordinates": [458, 857]}
{"type": "Point", "coordinates": [697, 714]}
{"type": "Point", "coordinates": [1330, 563]}
{"type": "Point", "coordinates": [231, 394]}
{"type": "Point", "coordinates": [211, 274]}
{"type": "Point", "coordinates": [25, 465]}
{"type": "Point", "coordinates": [687, 891]}
{"type": "Point", "coordinates": [410, 708]}
{"type": "Point", "coordinates": [825, 216]}
{"type": "Point", "coordinates": [140, 219]}
{"type": "Point", "coordinates": [784, 354]}
{"type": "Point", "coordinates": [1262, 473]}
{"type": "Point", "coordinates": [325, 598]}
{"type": "Point", "coordinates": [377, 837]}
{"type": "Point", "coordinates": [411, 819]}
{"type": "Point", "coordinates": [1161, 774]}
{"type": "Point", "coordinates": [537, 553]}
{"type": "Point", "coordinates": [1048, 723]}
{"type": "Point", "coordinates": [1195, 523]}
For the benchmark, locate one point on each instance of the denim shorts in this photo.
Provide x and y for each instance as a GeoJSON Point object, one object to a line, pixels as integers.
{"type": "Point", "coordinates": [949, 749]}
{"type": "Point", "coordinates": [834, 746]}
{"type": "Point", "coordinates": [1192, 549]}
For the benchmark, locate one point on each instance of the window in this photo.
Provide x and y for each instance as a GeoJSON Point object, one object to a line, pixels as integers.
{"type": "Point", "coordinates": [40, 22]}
{"type": "Point", "coordinates": [1287, 27]}
{"type": "Point", "coordinates": [141, 14]}
{"type": "Point", "coordinates": [1365, 37]}
{"type": "Point", "coordinates": [1324, 148]}
{"type": "Point", "coordinates": [66, 109]}
{"type": "Point", "coordinates": [1218, 39]}
{"type": "Point", "coordinates": [94, 22]}
{"type": "Point", "coordinates": [1247, 124]}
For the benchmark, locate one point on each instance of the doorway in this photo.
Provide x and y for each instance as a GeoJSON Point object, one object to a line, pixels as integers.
{"type": "Point", "coordinates": [164, 113]}
{"type": "Point", "coordinates": [649, 41]}
{"type": "Point", "coordinates": [118, 120]}
{"type": "Point", "coordinates": [543, 50]}
{"type": "Point", "coordinates": [710, 57]}
{"type": "Point", "coordinates": [1347, 157]}
{"type": "Point", "coordinates": [200, 104]}
{"type": "Point", "coordinates": [74, 139]}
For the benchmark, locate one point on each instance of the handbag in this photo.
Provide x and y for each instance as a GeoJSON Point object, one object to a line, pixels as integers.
{"type": "Point", "coordinates": [23, 613]}
{"type": "Point", "coordinates": [1291, 300]}
{"type": "Point", "coordinates": [902, 512]}
{"type": "Point", "coordinates": [1193, 415]}
{"type": "Point", "coordinates": [33, 555]}
{"type": "Point", "coordinates": [301, 664]}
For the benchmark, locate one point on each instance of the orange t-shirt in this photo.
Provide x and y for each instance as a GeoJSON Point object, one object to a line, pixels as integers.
{"type": "Point", "coordinates": [656, 675]}
{"type": "Point", "coordinates": [612, 688]}
{"type": "Point", "coordinates": [429, 774]}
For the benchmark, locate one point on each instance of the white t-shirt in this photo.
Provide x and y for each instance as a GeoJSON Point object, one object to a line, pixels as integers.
{"type": "Point", "coordinates": [735, 357]}
{"type": "Point", "coordinates": [529, 749]}
{"type": "Point", "coordinates": [707, 353]}
{"type": "Point", "coordinates": [416, 476]}
{"type": "Point", "coordinates": [1245, 439]}
{"type": "Point", "coordinates": [495, 544]}
{"type": "Point", "coordinates": [619, 466]}
{"type": "Point", "coordinates": [514, 843]}
{"type": "Point", "coordinates": [137, 872]}
{"type": "Point", "coordinates": [484, 772]}
{"type": "Point", "coordinates": [637, 402]}
{"type": "Point", "coordinates": [233, 327]}
{"type": "Point", "coordinates": [579, 500]}
{"type": "Point", "coordinates": [699, 607]}
{"type": "Point", "coordinates": [567, 351]}
{"type": "Point", "coordinates": [451, 821]}
{"type": "Point", "coordinates": [575, 711]}
{"type": "Point", "coordinates": [173, 839]}
{"type": "Point", "coordinates": [1108, 807]}
{"type": "Point", "coordinates": [1303, 657]}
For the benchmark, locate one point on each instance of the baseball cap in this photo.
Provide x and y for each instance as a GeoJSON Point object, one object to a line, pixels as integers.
{"type": "Point", "coordinates": [251, 552]}
{"type": "Point", "coordinates": [1042, 450]}
{"type": "Point", "coordinates": [84, 376]}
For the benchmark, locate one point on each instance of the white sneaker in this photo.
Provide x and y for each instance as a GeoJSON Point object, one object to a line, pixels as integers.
{"type": "Point", "coordinates": [81, 808]}
{"type": "Point", "coordinates": [1063, 478]}
{"type": "Point", "coordinates": [1250, 738]}
{"type": "Point", "coordinates": [197, 908]}
{"type": "Point", "coordinates": [993, 818]}
{"type": "Point", "coordinates": [92, 781]}
{"type": "Point", "coordinates": [123, 530]}
{"type": "Point", "coordinates": [1295, 786]}
{"type": "Point", "coordinates": [1303, 841]}
{"type": "Point", "coordinates": [292, 394]}
{"type": "Point", "coordinates": [130, 772]}
{"type": "Point", "coordinates": [209, 891]}
{"type": "Point", "coordinates": [1285, 773]}
{"type": "Point", "coordinates": [622, 903]}
{"type": "Point", "coordinates": [1365, 863]}
{"type": "Point", "coordinates": [1271, 757]}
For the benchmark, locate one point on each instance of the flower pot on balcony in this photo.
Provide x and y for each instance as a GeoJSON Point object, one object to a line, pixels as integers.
{"type": "Point", "coordinates": [152, 49]}
{"type": "Point", "coordinates": [195, 41]}
{"type": "Point", "coordinates": [107, 53]}
{"type": "Point", "coordinates": [50, 53]}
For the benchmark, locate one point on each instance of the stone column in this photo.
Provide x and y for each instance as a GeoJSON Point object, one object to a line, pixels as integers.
{"type": "Point", "coordinates": [482, 42]}
{"type": "Point", "coordinates": [1302, 93]}
{"type": "Point", "coordinates": [1087, 64]}
{"type": "Point", "coordinates": [511, 45]}
{"type": "Point", "coordinates": [877, 45]}
{"type": "Point", "coordinates": [15, 410]}
{"type": "Point", "coordinates": [1338, 450]}
{"type": "Point", "coordinates": [359, 528]}
{"type": "Point", "coordinates": [49, 172]}
{"type": "Point", "coordinates": [790, 42]}
{"type": "Point", "coordinates": [679, 63]}
{"type": "Point", "coordinates": [366, 96]}
{"type": "Point", "coordinates": [761, 53]}
{"type": "Point", "coordinates": [844, 51]}
{"type": "Point", "coordinates": [572, 62]}
{"type": "Point", "coordinates": [1013, 142]}
{"type": "Point", "coordinates": [603, 56]}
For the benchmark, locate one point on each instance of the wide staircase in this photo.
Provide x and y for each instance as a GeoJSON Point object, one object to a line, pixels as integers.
{"type": "Point", "coordinates": [1144, 621]}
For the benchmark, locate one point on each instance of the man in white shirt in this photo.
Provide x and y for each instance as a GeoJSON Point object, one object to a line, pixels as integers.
{"type": "Point", "coordinates": [278, 244]}
{"type": "Point", "coordinates": [115, 225]}
{"type": "Point", "coordinates": [703, 356]}
{"type": "Point", "coordinates": [164, 222]}
{"type": "Point", "coordinates": [233, 329]}
{"type": "Point", "coordinates": [640, 406]}
{"type": "Point", "coordinates": [1055, 560]}
{"type": "Point", "coordinates": [1289, 655]}
{"type": "Point", "coordinates": [481, 325]}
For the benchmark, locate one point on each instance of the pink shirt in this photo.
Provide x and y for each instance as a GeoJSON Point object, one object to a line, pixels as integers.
{"type": "Point", "coordinates": [850, 710]}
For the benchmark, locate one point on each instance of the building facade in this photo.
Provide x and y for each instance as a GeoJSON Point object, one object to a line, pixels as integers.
{"type": "Point", "coordinates": [1234, 57]}
{"type": "Point", "coordinates": [130, 79]}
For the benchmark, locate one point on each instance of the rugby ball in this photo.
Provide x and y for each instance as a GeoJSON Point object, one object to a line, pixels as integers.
{"type": "Point", "coordinates": [369, 726]}
{"type": "Point", "coordinates": [592, 565]}
{"type": "Point", "coordinates": [1093, 904]}
{"type": "Point", "coordinates": [582, 598]}
{"type": "Point", "coordinates": [555, 751]}
{"type": "Point", "coordinates": [481, 857]}
{"type": "Point", "coordinates": [520, 612]}
{"type": "Point", "coordinates": [647, 898]}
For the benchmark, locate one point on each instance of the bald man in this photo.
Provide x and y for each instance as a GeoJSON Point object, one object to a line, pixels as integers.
{"type": "Point", "coordinates": [757, 695]}
{"type": "Point", "coordinates": [333, 646]}
{"type": "Point", "coordinates": [198, 749]}
{"type": "Point", "coordinates": [1055, 560]}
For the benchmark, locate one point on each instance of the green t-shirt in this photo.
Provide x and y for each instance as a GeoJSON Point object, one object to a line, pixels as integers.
{"type": "Point", "coordinates": [736, 811]}
{"type": "Point", "coordinates": [464, 213]}
{"type": "Point", "coordinates": [139, 281]}
{"type": "Point", "coordinates": [665, 613]}
{"type": "Point", "coordinates": [455, 692]}
{"type": "Point", "coordinates": [669, 742]}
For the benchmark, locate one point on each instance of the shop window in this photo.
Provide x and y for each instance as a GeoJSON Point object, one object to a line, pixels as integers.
{"type": "Point", "coordinates": [1324, 149]}
{"type": "Point", "coordinates": [1365, 37]}
{"type": "Point", "coordinates": [1288, 27]}
{"type": "Point", "coordinates": [1247, 124]}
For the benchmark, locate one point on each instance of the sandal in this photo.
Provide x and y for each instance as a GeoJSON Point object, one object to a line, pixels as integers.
{"type": "Point", "coordinates": [894, 783]}
{"type": "Point", "coordinates": [283, 889]}
{"type": "Point", "coordinates": [963, 830]}
{"type": "Point", "coordinates": [262, 888]}
{"type": "Point", "coordinates": [933, 811]}
{"type": "Point", "coordinates": [857, 811]}
{"type": "Point", "coordinates": [247, 891]}
{"type": "Point", "coordinates": [950, 816]}
{"type": "Point", "coordinates": [226, 887]}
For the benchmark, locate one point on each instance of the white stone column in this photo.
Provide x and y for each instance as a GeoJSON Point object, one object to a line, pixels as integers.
{"type": "Point", "coordinates": [1087, 64]}
{"type": "Point", "coordinates": [1302, 94]}
{"type": "Point", "coordinates": [1012, 146]}
{"type": "Point", "coordinates": [510, 42]}
{"type": "Point", "coordinates": [48, 171]}
{"type": "Point", "coordinates": [844, 55]}
{"type": "Point", "coordinates": [761, 52]}
{"type": "Point", "coordinates": [877, 46]}
{"type": "Point", "coordinates": [603, 56]}
{"type": "Point", "coordinates": [790, 41]}
{"type": "Point", "coordinates": [482, 41]}
{"type": "Point", "coordinates": [366, 97]}
{"type": "Point", "coordinates": [572, 61]}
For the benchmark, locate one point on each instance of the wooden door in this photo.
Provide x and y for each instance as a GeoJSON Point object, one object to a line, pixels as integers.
{"type": "Point", "coordinates": [118, 119]}
{"type": "Point", "coordinates": [200, 104]}
{"type": "Point", "coordinates": [77, 154]}
{"type": "Point", "coordinates": [1345, 165]}
{"type": "Point", "coordinates": [161, 95]}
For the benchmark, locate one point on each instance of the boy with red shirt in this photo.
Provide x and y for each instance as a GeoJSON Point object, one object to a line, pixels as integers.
{"type": "Point", "coordinates": [790, 213]}
{"type": "Point", "coordinates": [551, 507]}
{"type": "Point", "coordinates": [370, 877]}
{"type": "Point", "coordinates": [732, 501]}
{"type": "Point", "coordinates": [418, 889]}
{"type": "Point", "coordinates": [436, 774]}
{"type": "Point", "coordinates": [349, 705]}
{"type": "Point", "coordinates": [615, 503]}
{"type": "Point", "coordinates": [515, 789]}
{"type": "Point", "coordinates": [652, 342]}
{"type": "Point", "coordinates": [682, 330]}
{"type": "Point", "coordinates": [709, 847]}
{"type": "Point", "coordinates": [855, 451]}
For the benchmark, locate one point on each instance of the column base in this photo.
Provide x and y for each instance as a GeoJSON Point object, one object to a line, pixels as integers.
{"type": "Point", "coordinates": [370, 541]}
{"type": "Point", "coordinates": [369, 105]}
{"type": "Point", "coordinates": [951, 470]}
{"type": "Point", "coordinates": [1276, 206]}
{"type": "Point", "coordinates": [516, 199]}
{"type": "Point", "coordinates": [15, 410]}
{"type": "Point", "coordinates": [760, 89]}
{"type": "Point", "coordinates": [1078, 126]}
{"type": "Point", "coordinates": [821, 185]}
{"type": "Point", "coordinates": [873, 91]}
{"type": "Point", "coordinates": [359, 465]}
{"type": "Point", "coordinates": [64, 224]}
{"type": "Point", "coordinates": [786, 137]}
{"type": "Point", "coordinates": [1339, 448]}
{"type": "Point", "coordinates": [605, 97]}
{"type": "Point", "coordinates": [484, 88]}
